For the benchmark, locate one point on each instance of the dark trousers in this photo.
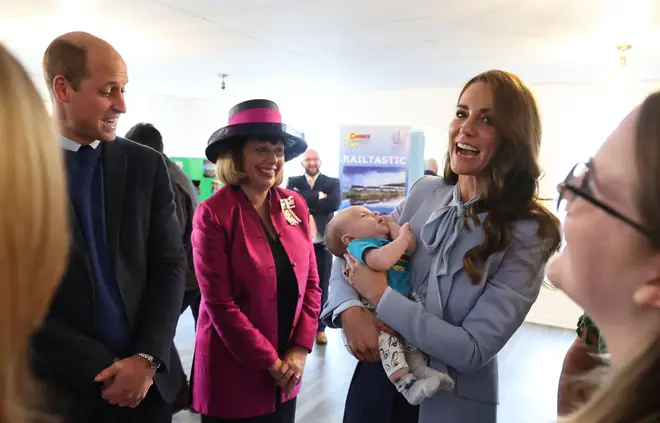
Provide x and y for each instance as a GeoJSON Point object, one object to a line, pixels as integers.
{"type": "Point", "coordinates": [324, 267]}
{"type": "Point", "coordinates": [152, 409]}
{"type": "Point", "coordinates": [284, 413]}
{"type": "Point", "coordinates": [373, 398]}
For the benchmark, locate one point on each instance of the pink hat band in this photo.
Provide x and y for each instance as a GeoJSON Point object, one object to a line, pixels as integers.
{"type": "Point", "coordinates": [259, 115]}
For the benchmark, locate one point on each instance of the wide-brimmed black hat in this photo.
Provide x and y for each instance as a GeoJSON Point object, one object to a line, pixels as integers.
{"type": "Point", "coordinates": [256, 119]}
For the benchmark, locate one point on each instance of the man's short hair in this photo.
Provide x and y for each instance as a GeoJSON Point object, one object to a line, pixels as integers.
{"type": "Point", "coordinates": [146, 134]}
{"type": "Point", "coordinates": [66, 59]}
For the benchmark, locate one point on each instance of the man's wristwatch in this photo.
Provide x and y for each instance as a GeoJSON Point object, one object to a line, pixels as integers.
{"type": "Point", "coordinates": [153, 362]}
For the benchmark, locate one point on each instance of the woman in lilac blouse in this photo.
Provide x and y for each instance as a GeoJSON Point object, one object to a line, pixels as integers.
{"type": "Point", "coordinates": [483, 240]}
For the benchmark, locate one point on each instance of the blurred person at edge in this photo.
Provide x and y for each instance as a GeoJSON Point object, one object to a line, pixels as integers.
{"type": "Point", "coordinates": [483, 240]}
{"type": "Point", "coordinates": [106, 349]}
{"type": "Point", "coordinates": [186, 200]}
{"type": "Point", "coordinates": [256, 268]}
{"type": "Point", "coordinates": [34, 237]}
{"type": "Point", "coordinates": [611, 264]}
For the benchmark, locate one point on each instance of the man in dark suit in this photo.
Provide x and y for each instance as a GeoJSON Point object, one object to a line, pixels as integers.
{"type": "Point", "coordinates": [105, 349]}
{"type": "Point", "coordinates": [186, 202]}
{"type": "Point", "coordinates": [323, 197]}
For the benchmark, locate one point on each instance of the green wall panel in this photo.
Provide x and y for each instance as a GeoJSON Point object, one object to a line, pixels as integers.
{"type": "Point", "coordinates": [201, 172]}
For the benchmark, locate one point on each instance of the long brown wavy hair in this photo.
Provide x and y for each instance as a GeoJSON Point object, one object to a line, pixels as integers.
{"type": "Point", "coordinates": [34, 237]}
{"type": "Point", "coordinates": [509, 185]}
{"type": "Point", "coordinates": [630, 394]}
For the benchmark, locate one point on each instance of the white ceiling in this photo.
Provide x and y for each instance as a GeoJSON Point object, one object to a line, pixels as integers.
{"type": "Point", "coordinates": [178, 47]}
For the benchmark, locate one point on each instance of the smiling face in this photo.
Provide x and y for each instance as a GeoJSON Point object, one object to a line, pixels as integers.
{"type": "Point", "coordinates": [262, 163]}
{"type": "Point", "coordinates": [472, 136]}
{"type": "Point", "coordinates": [311, 162]}
{"type": "Point", "coordinates": [594, 269]}
{"type": "Point", "coordinates": [91, 111]}
{"type": "Point", "coordinates": [608, 265]}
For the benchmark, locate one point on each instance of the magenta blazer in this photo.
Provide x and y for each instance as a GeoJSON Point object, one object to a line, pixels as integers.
{"type": "Point", "coordinates": [236, 338]}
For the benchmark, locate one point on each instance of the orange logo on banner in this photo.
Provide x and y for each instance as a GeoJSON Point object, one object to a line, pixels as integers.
{"type": "Point", "coordinates": [354, 139]}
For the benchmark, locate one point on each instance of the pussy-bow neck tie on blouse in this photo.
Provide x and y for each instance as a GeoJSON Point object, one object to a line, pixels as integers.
{"type": "Point", "coordinates": [441, 230]}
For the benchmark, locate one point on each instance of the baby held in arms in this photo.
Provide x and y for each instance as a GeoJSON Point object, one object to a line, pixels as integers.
{"type": "Point", "coordinates": [384, 245]}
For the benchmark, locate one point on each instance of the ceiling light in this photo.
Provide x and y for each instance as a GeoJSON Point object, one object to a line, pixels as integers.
{"type": "Point", "coordinates": [623, 59]}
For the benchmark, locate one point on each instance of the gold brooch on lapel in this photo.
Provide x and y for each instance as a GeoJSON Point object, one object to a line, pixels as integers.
{"type": "Point", "coordinates": [288, 205]}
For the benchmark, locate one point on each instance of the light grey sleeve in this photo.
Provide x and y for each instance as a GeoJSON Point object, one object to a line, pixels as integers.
{"type": "Point", "coordinates": [396, 213]}
{"type": "Point", "coordinates": [495, 317]}
{"type": "Point", "coordinates": [341, 296]}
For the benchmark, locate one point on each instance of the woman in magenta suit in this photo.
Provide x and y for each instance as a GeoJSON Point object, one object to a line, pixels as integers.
{"type": "Point", "coordinates": [256, 268]}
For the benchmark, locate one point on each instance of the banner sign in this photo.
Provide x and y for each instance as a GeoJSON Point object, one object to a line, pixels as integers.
{"type": "Point", "coordinates": [373, 166]}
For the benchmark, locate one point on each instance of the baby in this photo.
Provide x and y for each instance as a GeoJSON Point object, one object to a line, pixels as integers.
{"type": "Point", "coordinates": [382, 244]}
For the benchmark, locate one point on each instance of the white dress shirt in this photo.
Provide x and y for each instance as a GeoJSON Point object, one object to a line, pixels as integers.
{"type": "Point", "coordinates": [71, 145]}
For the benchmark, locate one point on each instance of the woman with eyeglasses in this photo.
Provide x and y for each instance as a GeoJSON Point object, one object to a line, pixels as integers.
{"type": "Point", "coordinates": [611, 264]}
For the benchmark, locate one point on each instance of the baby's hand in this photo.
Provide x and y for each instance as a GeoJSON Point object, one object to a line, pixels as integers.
{"type": "Point", "coordinates": [405, 233]}
{"type": "Point", "coordinates": [392, 225]}
{"type": "Point", "coordinates": [389, 218]}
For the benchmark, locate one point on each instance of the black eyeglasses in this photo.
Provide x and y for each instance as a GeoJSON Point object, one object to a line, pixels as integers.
{"type": "Point", "coordinates": [578, 183]}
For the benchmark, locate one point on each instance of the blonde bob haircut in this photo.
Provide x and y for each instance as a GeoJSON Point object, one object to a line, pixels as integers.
{"type": "Point", "coordinates": [229, 166]}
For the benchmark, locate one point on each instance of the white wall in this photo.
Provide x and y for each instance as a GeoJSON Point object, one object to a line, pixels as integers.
{"type": "Point", "coordinates": [168, 114]}
{"type": "Point", "coordinates": [576, 120]}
